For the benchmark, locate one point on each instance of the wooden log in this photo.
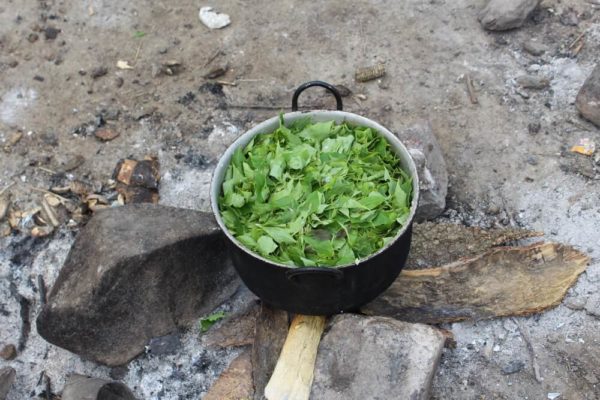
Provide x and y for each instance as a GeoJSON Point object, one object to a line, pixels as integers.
{"type": "Point", "coordinates": [501, 282]}
{"type": "Point", "coordinates": [294, 372]}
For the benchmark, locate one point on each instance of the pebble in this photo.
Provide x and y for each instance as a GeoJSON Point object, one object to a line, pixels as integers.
{"type": "Point", "coordinates": [553, 395]}
{"type": "Point", "coordinates": [569, 17]}
{"type": "Point", "coordinates": [533, 82]}
{"type": "Point", "coordinates": [98, 72]}
{"type": "Point", "coordinates": [534, 48]}
{"type": "Point", "coordinates": [575, 303]}
{"type": "Point", "coordinates": [532, 160]}
{"type": "Point", "coordinates": [213, 19]}
{"type": "Point", "coordinates": [496, 348]}
{"type": "Point", "coordinates": [51, 33]}
{"type": "Point", "coordinates": [513, 367]}
{"type": "Point", "coordinates": [8, 352]}
{"type": "Point", "coordinates": [33, 37]}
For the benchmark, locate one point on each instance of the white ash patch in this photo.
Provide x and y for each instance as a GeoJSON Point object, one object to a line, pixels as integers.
{"type": "Point", "coordinates": [15, 102]}
{"type": "Point", "coordinates": [186, 189]}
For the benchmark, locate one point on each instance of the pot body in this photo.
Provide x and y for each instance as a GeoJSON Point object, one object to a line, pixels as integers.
{"type": "Point", "coordinates": [324, 290]}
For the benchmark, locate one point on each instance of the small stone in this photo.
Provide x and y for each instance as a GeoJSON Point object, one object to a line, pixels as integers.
{"type": "Point", "coordinates": [569, 17]}
{"type": "Point", "coordinates": [106, 134]}
{"type": "Point", "coordinates": [534, 128]}
{"type": "Point", "coordinates": [80, 387]}
{"type": "Point", "coordinates": [532, 160]}
{"type": "Point", "coordinates": [513, 367]}
{"type": "Point", "coordinates": [500, 15]}
{"type": "Point", "coordinates": [51, 33]}
{"type": "Point", "coordinates": [118, 82]}
{"type": "Point", "coordinates": [7, 377]}
{"type": "Point", "coordinates": [8, 352]}
{"type": "Point", "coordinates": [493, 209]}
{"type": "Point", "coordinates": [98, 72]}
{"type": "Point", "coordinates": [575, 303]}
{"type": "Point", "coordinates": [343, 90]}
{"type": "Point", "coordinates": [355, 351]}
{"type": "Point", "coordinates": [213, 19]}
{"type": "Point", "coordinates": [420, 139]}
{"type": "Point", "coordinates": [496, 348]}
{"type": "Point", "coordinates": [588, 98]}
{"type": "Point", "coordinates": [163, 345]}
{"type": "Point", "coordinates": [592, 306]}
{"type": "Point", "coordinates": [553, 395]}
{"type": "Point", "coordinates": [534, 48]}
{"type": "Point", "coordinates": [533, 82]}
{"type": "Point", "coordinates": [33, 37]}
{"type": "Point", "coordinates": [38, 78]}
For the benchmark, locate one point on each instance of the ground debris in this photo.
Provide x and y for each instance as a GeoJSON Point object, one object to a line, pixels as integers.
{"type": "Point", "coordinates": [137, 181]}
{"type": "Point", "coordinates": [12, 141]}
{"type": "Point", "coordinates": [369, 73]}
{"type": "Point", "coordinates": [585, 146]}
{"type": "Point", "coordinates": [106, 134]}
{"type": "Point", "coordinates": [213, 19]}
{"type": "Point", "coordinates": [436, 244]}
{"type": "Point", "coordinates": [501, 282]}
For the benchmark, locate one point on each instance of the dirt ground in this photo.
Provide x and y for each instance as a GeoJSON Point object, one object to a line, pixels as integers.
{"type": "Point", "coordinates": [507, 155]}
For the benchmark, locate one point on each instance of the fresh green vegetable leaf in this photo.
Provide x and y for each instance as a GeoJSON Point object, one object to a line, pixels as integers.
{"type": "Point", "coordinates": [266, 245]}
{"type": "Point", "coordinates": [207, 322]}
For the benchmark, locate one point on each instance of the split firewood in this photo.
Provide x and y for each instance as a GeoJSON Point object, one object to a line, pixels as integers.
{"type": "Point", "coordinates": [137, 181]}
{"type": "Point", "coordinates": [236, 382]}
{"type": "Point", "coordinates": [434, 245]}
{"type": "Point", "coordinates": [294, 372]}
{"type": "Point", "coordinates": [501, 282]}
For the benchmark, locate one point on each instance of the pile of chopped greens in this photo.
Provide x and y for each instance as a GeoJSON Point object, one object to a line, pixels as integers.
{"type": "Point", "coordinates": [315, 194]}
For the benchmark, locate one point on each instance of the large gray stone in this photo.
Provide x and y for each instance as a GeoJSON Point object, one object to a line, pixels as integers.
{"type": "Point", "coordinates": [501, 15]}
{"type": "Point", "coordinates": [7, 377]}
{"type": "Point", "coordinates": [431, 167]}
{"type": "Point", "coordinates": [376, 358]}
{"type": "Point", "coordinates": [588, 98]}
{"type": "Point", "coordinates": [81, 387]}
{"type": "Point", "coordinates": [136, 272]}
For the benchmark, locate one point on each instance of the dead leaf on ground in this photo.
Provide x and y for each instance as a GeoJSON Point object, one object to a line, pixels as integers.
{"type": "Point", "coordinates": [106, 134]}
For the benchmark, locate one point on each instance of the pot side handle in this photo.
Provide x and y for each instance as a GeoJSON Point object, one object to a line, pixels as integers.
{"type": "Point", "coordinates": [297, 274]}
{"type": "Point", "coordinates": [328, 86]}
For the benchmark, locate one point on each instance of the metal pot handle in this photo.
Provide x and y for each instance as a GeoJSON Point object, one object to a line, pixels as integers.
{"type": "Point", "coordinates": [328, 86]}
{"type": "Point", "coordinates": [296, 274]}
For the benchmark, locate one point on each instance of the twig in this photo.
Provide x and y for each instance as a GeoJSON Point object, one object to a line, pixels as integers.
{"type": "Point", "coordinates": [48, 170]}
{"type": "Point", "coordinates": [226, 83]}
{"type": "Point", "coordinates": [470, 89]}
{"type": "Point", "coordinates": [525, 333]}
{"type": "Point", "coordinates": [137, 53]}
{"type": "Point", "coordinates": [42, 289]}
{"type": "Point", "coordinates": [49, 192]}
{"type": "Point", "coordinates": [212, 58]}
{"type": "Point", "coordinates": [49, 212]}
{"type": "Point", "coordinates": [6, 188]}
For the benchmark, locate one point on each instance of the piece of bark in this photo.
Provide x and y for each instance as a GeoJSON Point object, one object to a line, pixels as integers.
{"type": "Point", "coordinates": [270, 332]}
{"type": "Point", "coordinates": [504, 281]}
{"type": "Point", "coordinates": [434, 244]}
{"type": "Point", "coordinates": [235, 331]}
{"type": "Point", "coordinates": [236, 382]}
{"type": "Point", "coordinates": [294, 372]}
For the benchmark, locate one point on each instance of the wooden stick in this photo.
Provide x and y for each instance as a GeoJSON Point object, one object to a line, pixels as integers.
{"type": "Point", "coordinates": [294, 372]}
{"type": "Point", "coordinates": [527, 338]}
{"type": "Point", "coordinates": [471, 89]}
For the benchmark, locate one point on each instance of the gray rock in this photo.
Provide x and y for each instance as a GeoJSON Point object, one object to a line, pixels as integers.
{"type": "Point", "coordinates": [81, 387]}
{"type": "Point", "coordinates": [431, 167]}
{"type": "Point", "coordinates": [7, 377]}
{"type": "Point", "coordinates": [592, 306]}
{"type": "Point", "coordinates": [588, 98]}
{"type": "Point", "coordinates": [534, 48]}
{"type": "Point", "coordinates": [533, 82]}
{"type": "Point", "coordinates": [513, 367]}
{"type": "Point", "coordinates": [163, 345]}
{"type": "Point", "coordinates": [136, 272]}
{"type": "Point", "coordinates": [575, 302]}
{"type": "Point", "coordinates": [501, 15]}
{"type": "Point", "coordinates": [376, 358]}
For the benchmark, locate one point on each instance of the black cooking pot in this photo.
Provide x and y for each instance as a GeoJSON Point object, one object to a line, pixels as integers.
{"type": "Point", "coordinates": [324, 290]}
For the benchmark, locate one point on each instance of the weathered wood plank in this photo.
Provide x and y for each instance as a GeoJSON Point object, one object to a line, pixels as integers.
{"type": "Point", "coordinates": [503, 281]}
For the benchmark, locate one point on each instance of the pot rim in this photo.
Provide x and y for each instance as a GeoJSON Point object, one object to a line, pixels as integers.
{"type": "Point", "coordinates": [325, 115]}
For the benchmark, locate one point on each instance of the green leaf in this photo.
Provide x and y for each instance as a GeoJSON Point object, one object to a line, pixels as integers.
{"type": "Point", "coordinates": [207, 322]}
{"type": "Point", "coordinates": [266, 245]}
{"type": "Point", "coordinates": [280, 235]}
{"type": "Point", "coordinates": [139, 34]}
